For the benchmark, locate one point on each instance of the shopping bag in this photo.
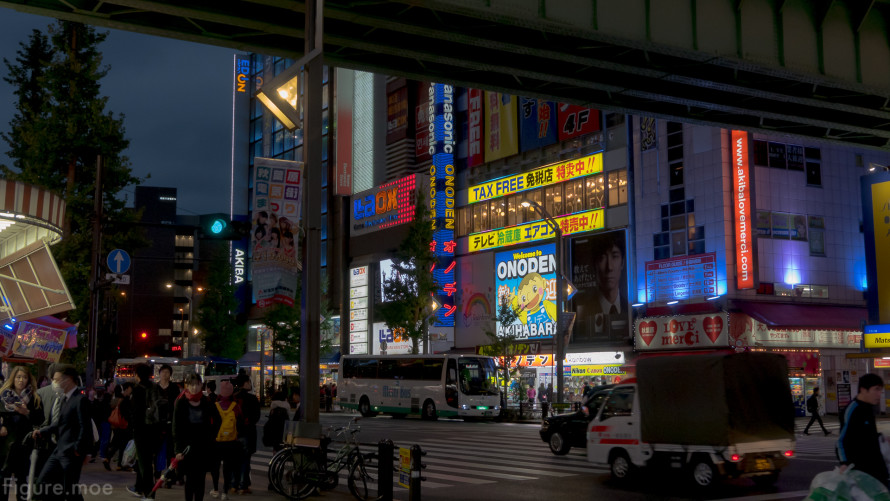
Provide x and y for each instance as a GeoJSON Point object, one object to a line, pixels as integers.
{"type": "Point", "coordinates": [129, 457]}
{"type": "Point", "coordinates": [850, 485]}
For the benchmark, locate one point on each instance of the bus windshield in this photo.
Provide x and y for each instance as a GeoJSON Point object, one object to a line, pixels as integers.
{"type": "Point", "coordinates": [221, 369]}
{"type": "Point", "coordinates": [478, 376]}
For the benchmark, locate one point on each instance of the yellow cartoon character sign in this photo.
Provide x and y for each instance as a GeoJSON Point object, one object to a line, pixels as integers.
{"type": "Point", "coordinates": [526, 280]}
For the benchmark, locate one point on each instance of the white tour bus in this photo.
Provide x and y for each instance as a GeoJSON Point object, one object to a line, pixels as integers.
{"type": "Point", "coordinates": [429, 385]}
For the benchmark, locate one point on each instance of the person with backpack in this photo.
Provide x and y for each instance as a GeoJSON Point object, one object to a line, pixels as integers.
{"type": "Point", "coordinates": [813, 409]}
{"type": "Point", "coordinates": [144, 431]}
{"type": "Point", "coordinates": [228, 448]}
{"type": "Point", "coordinates": [279, 414]}
{"type": "Point", "coordinates": [164, 396]}
{"type": "Point", "coordinates": [196, 424]}
{"type": "Point", "coordinates": [250, 409]}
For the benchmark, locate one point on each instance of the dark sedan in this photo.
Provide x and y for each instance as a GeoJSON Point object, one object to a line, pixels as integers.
{"type": "Point", "coordinates": [564, 431]}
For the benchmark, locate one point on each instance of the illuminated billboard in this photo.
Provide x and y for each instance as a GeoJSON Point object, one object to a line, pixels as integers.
{"type": "Point", "coordinates": [578, 222]}
{"type": "Point", "coordinates": [544, 176]}
{"type": "Point", "coordinates": [386, 206]}
{"type": "Point", "coordinates": [526, 280]}
{"type": "Point", "coordinates": [681, 278]}
{"type": "Point", "coordinates": [442, 208]}
{"type": "Point", "coordinates": [876, 211]}
{"type": "Point", "coordinates": [743, 208]}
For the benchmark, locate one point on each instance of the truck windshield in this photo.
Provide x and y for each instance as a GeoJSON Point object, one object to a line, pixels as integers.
{"type": "Point", "coordinates": [478, 376]}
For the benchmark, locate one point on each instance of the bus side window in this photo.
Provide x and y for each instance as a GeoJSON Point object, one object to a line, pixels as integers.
{"type": "Point", "coordinates": [451, 378]}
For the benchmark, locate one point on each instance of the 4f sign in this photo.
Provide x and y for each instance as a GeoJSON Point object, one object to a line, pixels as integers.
{"type": "Point", "coordinates": [742, 207]}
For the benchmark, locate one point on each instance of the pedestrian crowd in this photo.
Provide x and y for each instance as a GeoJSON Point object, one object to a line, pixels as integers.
{"type": "Point", "coordinates": [49, 431]}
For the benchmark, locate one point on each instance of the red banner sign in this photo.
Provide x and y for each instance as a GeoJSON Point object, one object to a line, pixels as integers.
{"type": "Point", "coordinates": [742, 206]}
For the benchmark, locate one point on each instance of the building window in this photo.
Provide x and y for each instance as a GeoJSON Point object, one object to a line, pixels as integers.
{"type": "Point", "coordinates": [553, 200]}
{"type": "Point", "coordinates": [814, 173]}
{"type": "Point", "coordinates": [761, 155]}
{"type": "Point", "coordinates": [817, 235]}
{"type": "Point", "coordinates": [595, 188]}
{"type": "Point", "coordinates": [675, 153]}
{"type": "Point", "coordinates": [499, 212]}
{"type": "Point", "coordinates": [676, 173]}
{"type": "Point", "coordinates": [617, 188]}
{"type": "Point", "coordinates": [777, 156]}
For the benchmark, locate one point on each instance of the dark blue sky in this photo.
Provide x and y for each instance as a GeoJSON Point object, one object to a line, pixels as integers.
{"type": "Point", "coordinates": [177, 100]}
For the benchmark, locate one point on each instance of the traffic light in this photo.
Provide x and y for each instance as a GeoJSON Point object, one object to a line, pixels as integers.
{"type": "Point", "coordinates": [144, 335]}
{"type": "Point", "coordinates": [221, 227]}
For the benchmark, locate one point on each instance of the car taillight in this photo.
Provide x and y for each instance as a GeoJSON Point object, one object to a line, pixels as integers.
{"type": "Point", "coordinates": [789, 454]}
{"type": "Point", "coordinates": [735, 458]}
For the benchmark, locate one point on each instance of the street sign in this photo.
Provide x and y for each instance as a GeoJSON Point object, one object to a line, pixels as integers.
{"type": "Point", "coordinates": [117, 278]}
{"type": "Point", "coordinates": [118, 261]}
{"type": "Point", "coordinates": [876, 336]}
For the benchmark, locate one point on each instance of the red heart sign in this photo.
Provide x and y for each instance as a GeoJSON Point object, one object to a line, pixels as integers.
{"type": "Point", "coordinates": [713, 327]}
{"type": "Point", "coordinates": [647, 331]}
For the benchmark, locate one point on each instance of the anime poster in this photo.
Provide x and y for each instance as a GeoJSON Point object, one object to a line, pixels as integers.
{"type": "Point", "coordinates": [599, 272]}
{"type": "Point", "coordinates": [276, 220]}
{"type": "Point", "coordinates": [526, 279]}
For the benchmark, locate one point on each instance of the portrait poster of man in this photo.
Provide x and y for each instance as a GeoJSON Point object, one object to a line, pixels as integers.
{"type": "Point", "coordinates": [599, 272]}
{"type": "Point", "coordinates": [526, 280]}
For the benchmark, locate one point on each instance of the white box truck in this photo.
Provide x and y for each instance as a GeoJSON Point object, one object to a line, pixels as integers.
{"type": "Point", "coordinates": [707, 416]}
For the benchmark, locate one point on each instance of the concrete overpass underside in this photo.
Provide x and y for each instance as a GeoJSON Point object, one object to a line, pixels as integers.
{"type": "Point", "coordinates": [819, 69]}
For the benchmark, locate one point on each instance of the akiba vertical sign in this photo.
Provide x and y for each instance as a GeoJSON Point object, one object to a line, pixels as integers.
{"type": "Point", "coordinates": [442, 141]}
{"type": "Point", "coordinates": [743, 208]}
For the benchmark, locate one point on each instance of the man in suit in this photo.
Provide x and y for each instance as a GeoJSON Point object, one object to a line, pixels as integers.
{"type": "Point", "coordinates": [74, 436]}
{"type": "Point", "coordinates": [610, 304]}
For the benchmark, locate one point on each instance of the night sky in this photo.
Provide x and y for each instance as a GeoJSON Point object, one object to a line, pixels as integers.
{"type": "Point", "coordinates": [177, 100]}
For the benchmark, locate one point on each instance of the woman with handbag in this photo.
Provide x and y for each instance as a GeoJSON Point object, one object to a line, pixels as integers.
{"type": "Point", "coordinates": [120, 426]}
{"type": "Point", "coordinates": [20, 412]}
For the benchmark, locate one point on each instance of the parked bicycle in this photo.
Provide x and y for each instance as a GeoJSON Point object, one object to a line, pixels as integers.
{"type": "Point", "coordinates": [297, 471]}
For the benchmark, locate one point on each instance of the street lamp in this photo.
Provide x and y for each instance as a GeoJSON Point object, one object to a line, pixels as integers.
{"type": "Point", "coordinates": [560, 339]}
{"type": "Point", "coordinates": [434, 307]}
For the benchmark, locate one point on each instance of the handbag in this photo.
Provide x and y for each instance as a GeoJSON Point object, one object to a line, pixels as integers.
{"type": "Point", "coordinates": [116, 420]}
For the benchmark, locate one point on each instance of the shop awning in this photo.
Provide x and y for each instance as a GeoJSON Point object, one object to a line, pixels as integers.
{"type": "Point", "coordinates": [31, 285]}
{"type": "Point", "coordinates": [805, 316]}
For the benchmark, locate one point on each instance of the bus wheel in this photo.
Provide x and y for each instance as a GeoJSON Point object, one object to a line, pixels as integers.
{"type": "Point", "coordinates": [364, 407]}
{"type": "Point", "coordinates": [429, 411]}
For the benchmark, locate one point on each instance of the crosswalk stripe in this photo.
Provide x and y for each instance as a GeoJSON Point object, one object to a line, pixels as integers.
{"type": "Point", "coordinates": [455, 478]}
{"type": "Point", "coordinates": [513, 469]}
{"type": "Point", "coordinates": [505, 476]}
{"type": "Point", "coordinates": [580, 467]}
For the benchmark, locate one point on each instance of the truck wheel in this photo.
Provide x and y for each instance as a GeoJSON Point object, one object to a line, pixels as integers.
{"type": "Point", "coordinates": [364, 408]}
{"type": "Point", "coordinates": [703, 472]}
{"type": "Point", "coordinates": [620, 466]}
{"type": "Point", "coordinates": [558, 444]}
{"type": "Point", "coordinates": [429, 411]}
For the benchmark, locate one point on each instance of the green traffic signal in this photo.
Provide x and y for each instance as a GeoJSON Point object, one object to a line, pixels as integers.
{"type": "Point", "coordinates": [217, 226]}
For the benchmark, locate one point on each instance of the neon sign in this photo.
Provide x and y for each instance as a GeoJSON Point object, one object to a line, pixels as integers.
{"type": "Point", "coordinates": [552, 174]}
{"type": "Point", "coordinates": [578, 222]}
{"type": "Point", "coordinates": [387, 205]}
{"type": "Point", "coordinates": [242, 72]}
{"type": "Point", "coordinates": [441, 201]}
{"type": "Point", "coordinates": [742, 206]}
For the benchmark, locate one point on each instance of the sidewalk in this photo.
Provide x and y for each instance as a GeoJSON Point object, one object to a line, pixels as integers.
{"type": "Point", "coordinates": [111, 486]}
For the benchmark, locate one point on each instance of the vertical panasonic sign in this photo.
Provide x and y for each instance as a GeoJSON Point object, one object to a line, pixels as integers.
{"type": "Point", "coordinates": [743, 207]}
{"type": "Point", "coordinates": [441, 198]}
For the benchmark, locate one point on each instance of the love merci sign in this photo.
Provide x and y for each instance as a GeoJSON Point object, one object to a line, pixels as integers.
{"type": "Point", "coordinates": [682, 332]}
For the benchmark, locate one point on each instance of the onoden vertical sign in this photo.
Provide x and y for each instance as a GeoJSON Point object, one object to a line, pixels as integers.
{"type": "Point", "coordinates": [743, 209]}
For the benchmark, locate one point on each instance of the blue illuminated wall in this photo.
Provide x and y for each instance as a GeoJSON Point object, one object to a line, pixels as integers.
{"type": "Point", "coordinates": [443, 141]}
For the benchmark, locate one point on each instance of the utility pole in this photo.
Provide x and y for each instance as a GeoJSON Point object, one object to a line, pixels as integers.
{"type": "Point", "coordinates": [95, 267]}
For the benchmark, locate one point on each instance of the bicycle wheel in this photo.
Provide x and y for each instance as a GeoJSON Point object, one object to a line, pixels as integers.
{"type": "Point", "coordinates": [274, 472]}
{"type": "Point", "coordinates": [362, 483]}
{"type": "Point", "coordinates": [298, 474]}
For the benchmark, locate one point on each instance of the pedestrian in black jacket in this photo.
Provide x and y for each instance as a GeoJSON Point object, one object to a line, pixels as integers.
{"type": "Point", "coordinates": [250, 408]}
{"type": "Point", "coordinates": [813, 409]}
{"type": "Point", "coordinates": [144, 434]}
{"type": "Point", "coordinates": [195, 425]}
{"type": "Point", "coordinates": [74, 438]}
{"type": "Point", "coordinates": [858, 441]}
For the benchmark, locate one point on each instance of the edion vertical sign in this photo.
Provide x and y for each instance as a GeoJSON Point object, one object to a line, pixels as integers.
{"type": "Point", "coordinates": [743, 208]}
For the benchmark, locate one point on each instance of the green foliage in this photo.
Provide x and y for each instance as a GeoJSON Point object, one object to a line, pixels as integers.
{"type": "Point", "coordinates": [221, 334]}
{"type": "Point", "coordinates": [503, 348]}
{"type": "Point", "coordinates": [411, 284]}
{"type": "Point", "coordinates": [59, 129]}
{"type": "Point", "coordinates": [284, 322]}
